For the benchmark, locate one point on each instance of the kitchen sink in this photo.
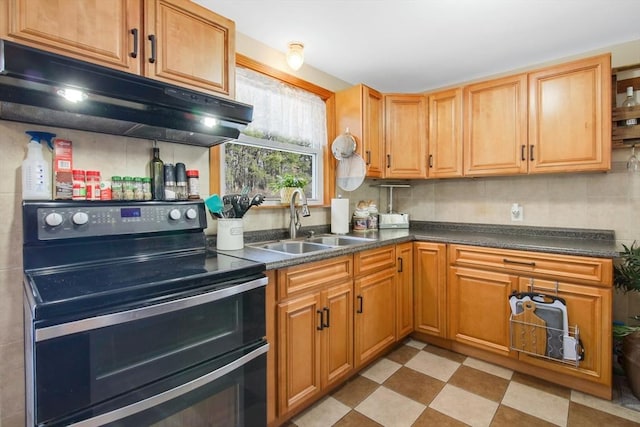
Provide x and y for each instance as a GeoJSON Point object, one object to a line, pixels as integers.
{"type": "Point", "coordinates": [332, 240]}
{"type": "Point", "coordinates": [311, 244]}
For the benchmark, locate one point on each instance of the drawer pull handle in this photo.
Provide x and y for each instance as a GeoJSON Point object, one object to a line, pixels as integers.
{"type": "Point", "coordinates": [510, 261]}
{"type": "Point", "coordinates": [326, 324]}
{"type": "Point", "coordinates": [359, 310]}
{"type": "Point", "coordinates": [321, 326]}
{"type": "Point", "coordinates": [400, 265]}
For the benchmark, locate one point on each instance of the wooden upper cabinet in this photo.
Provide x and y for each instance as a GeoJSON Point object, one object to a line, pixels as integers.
{"type": "Point", "coordinates": [495, 127]}
{"type": "Point", "coordinates": [360, 109]}
{"type": "Point", "coordinates": [570, 117]}
{"type": "Point", "coordinates": [98, 31]}
{"type": "Point", "coordinates": [176, 41]}
{"type": "Point", "coordinates": [194, 47]}
{"type": "Point", "coordinates": [405, 136]}
{"type": "Point", "coordinates": [445, 134]}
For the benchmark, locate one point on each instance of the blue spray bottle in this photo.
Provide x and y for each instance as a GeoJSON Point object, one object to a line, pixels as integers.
{"type": "Point", "coordinates": [36, 175]}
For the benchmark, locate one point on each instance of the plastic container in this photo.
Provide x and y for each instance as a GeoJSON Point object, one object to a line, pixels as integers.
{"type": "Point", "coordinates": [128, 188]}
{"type": "Point", "coordinates": [193, 181]}
{"type": "Point", "coordinates": [138, 192]}
{"type": "Point", "coordinates": [36, 174]}
{"type": "Point", "coordinates": [92, 178]}
{"type": "Point", "coordinates": [105, 190]}
{"type": "Point", "coordinates": [146, 188]}
{"type": "Point", "coordinates": [116, 188]}
{"type": "Point", "coordinates": [79, 189]}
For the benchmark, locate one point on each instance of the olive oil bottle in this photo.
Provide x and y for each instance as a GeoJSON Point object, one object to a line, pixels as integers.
{"type": "Point", "coordinates": [157, 175]}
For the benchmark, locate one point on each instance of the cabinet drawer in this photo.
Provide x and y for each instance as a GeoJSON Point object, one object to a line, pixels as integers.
{"type": "Point", "coordinates": [308, 276]}
{"type": "Point", "coordinates": [593, 271]}
{"type": "Point", "coordinates": [372, 260]}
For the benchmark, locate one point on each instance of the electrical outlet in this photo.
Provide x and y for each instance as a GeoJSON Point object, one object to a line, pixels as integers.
{"type": "Point", "coordinates": [517, 212]}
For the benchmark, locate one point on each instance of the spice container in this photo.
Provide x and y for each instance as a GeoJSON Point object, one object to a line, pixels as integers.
{"type": "Point", "coordinates": [181, 181]}
{"type": "Point", "coordinates": [92, 179]}
{"type": "Point", "coordinates": [138, 193]}
{"type": "Point", "coordinates": [105, 190]}
{"type": "Point", "coordinates": [169, 182]}
{"type": "Point", "coordinates": [128, 189]}
{"type": "Point", "coordinates": [193, 184]}
{"type": "Point", "coordinates": [146, 188]}
{"type": "Point", "coordinates": [116, 188]}
{"type": "Point", "coordinates": [79, 188]}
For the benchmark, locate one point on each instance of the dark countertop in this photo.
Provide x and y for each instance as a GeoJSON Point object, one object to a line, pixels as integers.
{"type": "Point", "coordinates": [565, 241]}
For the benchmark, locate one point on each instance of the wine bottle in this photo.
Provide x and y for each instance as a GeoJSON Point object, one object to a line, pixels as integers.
{"type": "Point", "coordinates": [630, 101]}
{"type": "Point", "coordinates": [157, 175]}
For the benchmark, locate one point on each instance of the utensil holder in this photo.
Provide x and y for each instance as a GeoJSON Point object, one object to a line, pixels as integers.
{"type": "Point", "coordinates": [230, 234]}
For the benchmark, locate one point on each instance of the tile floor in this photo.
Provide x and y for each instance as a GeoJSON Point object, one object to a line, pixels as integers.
{"type": "Point", "coordinates": [423, 385]}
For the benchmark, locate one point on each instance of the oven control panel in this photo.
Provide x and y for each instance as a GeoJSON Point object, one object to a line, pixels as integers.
{"type": "Point", "coordinates": [68, 220]}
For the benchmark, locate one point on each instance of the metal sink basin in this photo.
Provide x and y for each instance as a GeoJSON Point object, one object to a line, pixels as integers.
{"type": "Point", "coordinates": [332, 240]}
{"type": "Point", "coordinates": [293, 247]}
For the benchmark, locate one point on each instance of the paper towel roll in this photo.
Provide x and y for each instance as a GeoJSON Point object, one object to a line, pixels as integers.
{"type": "Point", "coordinates": [340, 216]}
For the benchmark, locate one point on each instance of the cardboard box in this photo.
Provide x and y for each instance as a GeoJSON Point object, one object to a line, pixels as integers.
{"type": "Point", "coordinates": [62, 169]}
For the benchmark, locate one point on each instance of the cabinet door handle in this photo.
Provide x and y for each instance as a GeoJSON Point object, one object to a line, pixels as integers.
{"type": "Point", "coordinates": [510, 261]}
{"type": "Point", "coordinates": [321, 326]}
{"type": "Point", "coordinates": [326, 324]}
{"type": "Point", "coordinates": [430, 160]}
{"type": "Point", "coordinates": [388, 160]}
{"type": "Point", "coordinates": [531, 153]}
{"type": "Point", "coordinates": [360, 303]}
{"type": "Point", "coordinates": [152, 39]}
{"type": "Point", "coordinates": [400, 265]}
{"type": "Point", "coordinates": [368, 157]}
{"type": "Point", "coordinates": [522, 152]}
{"type": "Point", "coordinates": [134, 33]}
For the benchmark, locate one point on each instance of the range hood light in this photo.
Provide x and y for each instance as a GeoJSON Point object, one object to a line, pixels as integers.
{"type": "Point", "coordinates": [72, 95]}
{"type": "Point", "coordinates": [209, 122]}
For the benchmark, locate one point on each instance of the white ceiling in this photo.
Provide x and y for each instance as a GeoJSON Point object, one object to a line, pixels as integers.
{"type": "Point", "coordinates": [416, 45]}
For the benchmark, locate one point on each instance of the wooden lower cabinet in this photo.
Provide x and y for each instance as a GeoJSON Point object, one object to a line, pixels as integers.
{"type": "Point", "coordinates": [478, 308]}
{"type": "Point", "coordinates": [404, 290]}
{"type": "Point", "coordinates": [375, 315]}
{"type": "Point", "coordinates": [315, 343]}
{"type": "Point", "coordinates": [588, 308]}
{"type": "Point", "coordinates": [430, 288]}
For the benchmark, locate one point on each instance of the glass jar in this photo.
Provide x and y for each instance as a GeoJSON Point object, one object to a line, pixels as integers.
{"type": "Point", "coordinates": [92, 179]}
{"type": "Point", "coordinates": [138, 193]}
{"type": "Point", "coordinates": [193, 180]}
{"type": "Point", "coordinates": [146, 188]}
{"type": "Point", "coordinates": [116, 188]}
{"type": "Point", "coordinates": [128, 188]}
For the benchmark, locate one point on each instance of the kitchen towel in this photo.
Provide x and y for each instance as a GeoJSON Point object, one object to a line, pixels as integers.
{"type": "Point", "coordinates": [340, 216]}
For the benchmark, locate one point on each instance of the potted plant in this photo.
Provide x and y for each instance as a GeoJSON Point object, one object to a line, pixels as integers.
{"type": "Point", "coordinates": [286, 184]}
{"type": "Point", "coordinates": [626, 277]}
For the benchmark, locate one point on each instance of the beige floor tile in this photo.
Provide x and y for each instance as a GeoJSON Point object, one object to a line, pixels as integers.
{"type": "Point", "coordinates": [325, 413]}
{"type": "Point", "coordinates": [536, 402]}
{"type": "Point", "coordinates": [447, 354]}
{"type": "Point", "coordinates": [432, 365]}
{"type": "Point", "coordinates": [381, 370]}
{"type": "Point", "coordinates": [416, 344]}
{"type": "Point", "coordinates": [414, 385]}
{"type": "Point", "coordinates": [480, 383]}
{"type": "Point", "coordinates": [390, 408]}
{"type": "Point", "coordinates": [489, 368]}
{"type": "Point", "coordinates": [605, 406]}
{"type": "Point", "coordinates": [541, 384]}
{"type": "Point", "coordinates": [464, 406]}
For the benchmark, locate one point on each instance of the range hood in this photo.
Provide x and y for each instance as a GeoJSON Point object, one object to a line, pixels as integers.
{"type": "Point", "coordinates": [117, 102]}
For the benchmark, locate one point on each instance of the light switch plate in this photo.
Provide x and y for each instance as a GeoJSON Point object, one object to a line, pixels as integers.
{"type": "Point", "coordinates": [517, 212]}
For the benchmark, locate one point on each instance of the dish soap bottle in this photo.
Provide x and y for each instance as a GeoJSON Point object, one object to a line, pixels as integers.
{"type": "Point", "coordinates": [36, 180]}
{"type": "Point", "coordinates": [157, 175]}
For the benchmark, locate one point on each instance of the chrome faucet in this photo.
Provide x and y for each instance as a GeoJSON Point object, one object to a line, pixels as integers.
{"type": "Point", "coordinates": [295, 224]}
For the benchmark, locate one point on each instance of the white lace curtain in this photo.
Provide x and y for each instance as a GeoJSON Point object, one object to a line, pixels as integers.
{"type": "Point", "coordinates": [281, 109]}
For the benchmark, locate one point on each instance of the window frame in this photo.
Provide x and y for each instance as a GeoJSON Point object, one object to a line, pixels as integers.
{"type": "Point", "coordinates": [328, 165]}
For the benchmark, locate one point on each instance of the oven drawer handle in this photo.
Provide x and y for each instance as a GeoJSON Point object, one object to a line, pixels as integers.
{"type": "Point", "coordinates": [145, 312]}
{"type": "Point", "coordinates": [178, 391]}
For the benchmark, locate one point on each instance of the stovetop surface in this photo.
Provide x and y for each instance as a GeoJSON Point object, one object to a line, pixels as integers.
{"type": "Point", "coordinates": [101, 286]}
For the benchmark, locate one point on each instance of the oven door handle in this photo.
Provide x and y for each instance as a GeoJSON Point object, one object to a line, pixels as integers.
{"type": "Point", "coordinates": [178, 391]}
{"type": "Point", "coordinates": [91, 323]}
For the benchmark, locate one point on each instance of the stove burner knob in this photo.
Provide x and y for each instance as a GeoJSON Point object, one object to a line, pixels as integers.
{"type": "Point", "coordinates": [80, 218]}
{"type": "Point", "coordinates": [191, 213]}
{"type": "Point", "coordinates": [174, 214]}
{"type": "Point", "coordinates": [53, 219]}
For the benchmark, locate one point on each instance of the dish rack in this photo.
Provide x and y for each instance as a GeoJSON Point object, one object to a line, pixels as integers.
{"type": "Point", "coordinates": [546, 342]}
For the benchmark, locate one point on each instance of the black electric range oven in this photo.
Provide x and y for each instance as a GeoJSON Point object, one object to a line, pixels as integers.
{"type": "Point", "coordinates": [130, 321]}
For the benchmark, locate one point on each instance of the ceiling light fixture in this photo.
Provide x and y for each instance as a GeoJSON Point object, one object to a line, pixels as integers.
{"type": "Point", "coordinates": [295, 55]}
{"type": "Point", "coordinates": [72, 95]}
